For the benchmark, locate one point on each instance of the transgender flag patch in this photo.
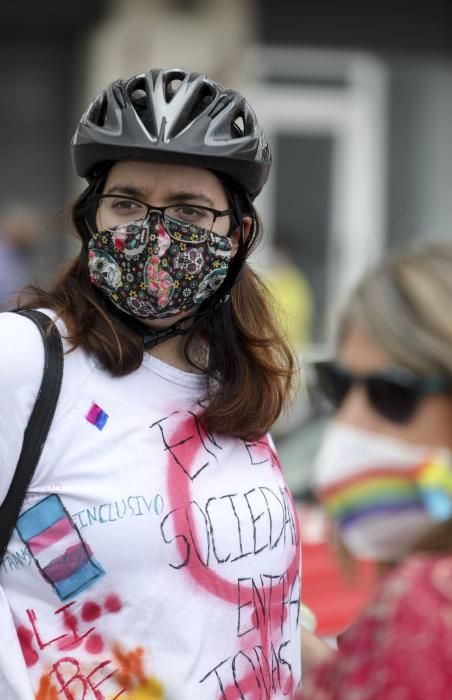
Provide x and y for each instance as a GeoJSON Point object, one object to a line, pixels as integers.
{"type": "Point", "coordinates": [62, 557]}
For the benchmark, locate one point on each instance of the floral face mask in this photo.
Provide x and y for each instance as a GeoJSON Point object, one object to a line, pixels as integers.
{"type": "Point", "coordinates": [154, 271]}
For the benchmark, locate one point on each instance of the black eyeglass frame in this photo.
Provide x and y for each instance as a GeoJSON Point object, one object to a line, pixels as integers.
{"type": "Point", "coordinates": [378, 386]}
{"type": "Point", "coordinates": [217, 213]}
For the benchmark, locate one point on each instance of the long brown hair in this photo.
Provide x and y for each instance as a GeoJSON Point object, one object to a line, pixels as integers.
{"type": "Point", "coordinates": [249, 360]}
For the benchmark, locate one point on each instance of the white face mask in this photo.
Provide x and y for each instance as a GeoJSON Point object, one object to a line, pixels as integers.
{"type": "Point", "coordinates": [382, 493]}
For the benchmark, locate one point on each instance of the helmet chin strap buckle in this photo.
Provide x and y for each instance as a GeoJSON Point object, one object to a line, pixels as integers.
{"type": "Point", "coordinates": [152, 338]}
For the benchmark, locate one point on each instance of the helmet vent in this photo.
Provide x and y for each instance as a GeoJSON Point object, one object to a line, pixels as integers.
{"type": "Point", "coordinates": [171, 88]}
{"type": "Point", "coordinates": [98, 111]}
{"type": "Point", "coordinates": [204, 98]}
{"type": "Point", "coordinates": [198, 104]}
{"type": "Point", "coordinates": [138, 98]}
{"type": "Point", "coordinates": [138, 93]}
{"type": "Point", "coordinates": [238, 127]}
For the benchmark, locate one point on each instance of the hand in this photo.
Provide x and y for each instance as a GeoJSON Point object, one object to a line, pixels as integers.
{"type": "Point", "coordinates": [313, 651]}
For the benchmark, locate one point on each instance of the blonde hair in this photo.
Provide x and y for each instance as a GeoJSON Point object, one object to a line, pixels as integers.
{"type": "Point", "coordinates": [405, 305]}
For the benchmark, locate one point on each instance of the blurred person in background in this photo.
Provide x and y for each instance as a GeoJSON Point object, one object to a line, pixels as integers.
{"type": "Point", "coordinates": [158, 545]}
{"type": "Point", "coordinates": [384, 474]}
{"type": "Point", "coordinates": [20, 233]}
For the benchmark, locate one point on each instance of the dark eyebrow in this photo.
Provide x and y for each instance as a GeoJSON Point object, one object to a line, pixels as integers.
{"type": "Point", "coordinates": [179, 196]}
{"type": "Point", "coordinates": [183, 196]}
{"type": "Point", "coordinates": [130, 190]}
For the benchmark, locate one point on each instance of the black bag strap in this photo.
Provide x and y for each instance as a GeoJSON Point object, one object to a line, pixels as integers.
{"type": "Point", "coordinates": [38, 425]}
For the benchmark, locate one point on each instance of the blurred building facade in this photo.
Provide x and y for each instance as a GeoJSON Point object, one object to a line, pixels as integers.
{"type": "Point", "coordinates": [356, 98]}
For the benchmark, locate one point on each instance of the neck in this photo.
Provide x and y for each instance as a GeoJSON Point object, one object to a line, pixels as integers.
{"type": "Point", "coordinates": [172, 352]}
{"type": "Point", "coordinates": [172, 349]}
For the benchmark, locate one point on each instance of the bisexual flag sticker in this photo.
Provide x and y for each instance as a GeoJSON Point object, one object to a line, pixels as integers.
{"type": "Point", "coordinates": [96, 416]}
{"type": "Point", "coordinates": [62, 557]}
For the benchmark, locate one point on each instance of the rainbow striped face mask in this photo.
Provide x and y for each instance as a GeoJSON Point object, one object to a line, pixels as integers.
{"type": "Point", "coordinates": [382, 493]}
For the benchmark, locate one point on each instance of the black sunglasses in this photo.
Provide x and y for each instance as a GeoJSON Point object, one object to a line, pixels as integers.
{"type": "Point", "coordinates": [394, 393]}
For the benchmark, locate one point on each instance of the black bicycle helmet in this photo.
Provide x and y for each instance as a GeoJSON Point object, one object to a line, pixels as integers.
{"type": "Point", "coordinates": [174, 116]}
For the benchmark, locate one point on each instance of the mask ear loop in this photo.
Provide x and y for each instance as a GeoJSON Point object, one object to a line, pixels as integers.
{"type": "Point", "coordinates": [235, 271]}
{"type": "Point", "coordinates": [85, 220]}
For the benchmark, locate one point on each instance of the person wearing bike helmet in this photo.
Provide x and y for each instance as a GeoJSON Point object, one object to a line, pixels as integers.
{"type": "Point", "coordinates": [157, 550]}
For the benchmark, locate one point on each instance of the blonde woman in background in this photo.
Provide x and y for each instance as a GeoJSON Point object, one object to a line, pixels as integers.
{"type": "Point", "coordinates": [384, 474]}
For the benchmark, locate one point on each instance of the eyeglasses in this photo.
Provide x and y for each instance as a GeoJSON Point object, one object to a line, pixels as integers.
{"type": "Point", "coordinates": [196, 221]}
{"type": "Point", "coordinates": [394, 393]}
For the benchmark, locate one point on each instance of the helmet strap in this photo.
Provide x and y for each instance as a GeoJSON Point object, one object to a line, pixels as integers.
{"type": "Point", "coordinates": [150, 337]}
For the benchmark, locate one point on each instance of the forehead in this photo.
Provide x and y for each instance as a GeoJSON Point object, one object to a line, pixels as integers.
{"type": "Point", "coordinates": [361, 353]}
{"type": "Point", "coordinates": [163, 178]}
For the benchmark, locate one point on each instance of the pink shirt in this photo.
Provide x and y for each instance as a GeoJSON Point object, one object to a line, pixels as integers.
{"type": "Point", "coordinates": [400, 648]}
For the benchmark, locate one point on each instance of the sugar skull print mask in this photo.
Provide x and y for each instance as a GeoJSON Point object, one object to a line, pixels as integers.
{"type": "Point", "coordinates": [154, 271]}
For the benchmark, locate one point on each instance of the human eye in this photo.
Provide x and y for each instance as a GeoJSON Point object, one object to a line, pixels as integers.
{"type": "Point", "coordinates": [120, 211]}
{"type": "Point", "coordinates": [125, 205]}
{"type": "Point", "coordinates": [190, 214]}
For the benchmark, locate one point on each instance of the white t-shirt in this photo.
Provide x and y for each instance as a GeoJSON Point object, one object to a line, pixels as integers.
{"type": "Point", "coordinates": [146, 548]}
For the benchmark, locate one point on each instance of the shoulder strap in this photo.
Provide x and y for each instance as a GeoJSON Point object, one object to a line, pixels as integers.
{"type": "Point", "coordinates": [38, 425]}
